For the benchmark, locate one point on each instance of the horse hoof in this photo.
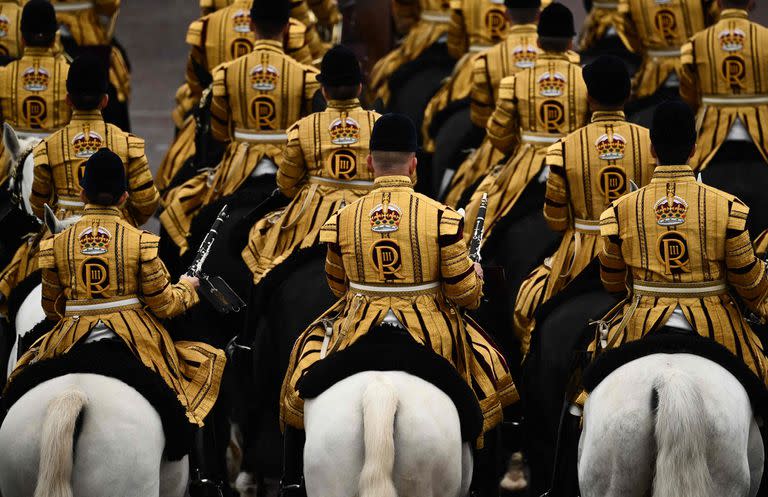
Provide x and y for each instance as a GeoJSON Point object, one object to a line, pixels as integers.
{"type": "Point", "coordinates": [514, 480]}
{"type": "Point", "coordinates": [246, 484]}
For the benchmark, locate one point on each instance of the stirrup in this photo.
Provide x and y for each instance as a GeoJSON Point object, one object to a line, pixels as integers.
{"type": "Point", "coordinates": [291, 489]}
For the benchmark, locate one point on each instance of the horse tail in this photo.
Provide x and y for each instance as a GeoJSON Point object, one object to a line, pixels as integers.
{"type": "Point", "coordinates": [379, 407]}
{"type": "Point", "coordinates": [54, 477]}
{"type": "Point", "coordinates": [681, 431]}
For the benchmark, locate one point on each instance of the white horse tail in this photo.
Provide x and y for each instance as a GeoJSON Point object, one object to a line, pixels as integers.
{"type": "Point", "coordinates": [379, 407]}
{"type": "Point", "coordinates": [681, 437]}
{"type": "Point", "coordinates": [54, 477]}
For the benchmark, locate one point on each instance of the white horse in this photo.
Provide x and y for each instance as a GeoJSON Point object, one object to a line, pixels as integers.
{"type": "Point", "coordinates": [384, 434]}
{"type": "Point", "coordinates": [670, 425]}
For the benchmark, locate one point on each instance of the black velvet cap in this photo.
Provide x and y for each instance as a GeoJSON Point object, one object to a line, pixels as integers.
{"type": "Point", "coordinates": [340, 67]}
{"type": "Point", "coordinates": [271, 11]}
{"type": "Point", "coordinates": [104, 173]}
{"type": "Point", "coordinates": [556, 21]}
{"type": "Point", "coordinates": [38, 17]}
{"type": "Point", "coordinates": [522, 4]}
{"type": "Point", "coordinates": [674, 125]}
{"type": "Point", "coordinates": [394, 133]}
{"type": "Point", "coordinates": [88, 76]}
{"type": "Point", "coordinates": [607, 80]}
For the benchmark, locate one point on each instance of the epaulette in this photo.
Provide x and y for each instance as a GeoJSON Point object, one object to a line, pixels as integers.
{"type": "Point", "coordinates": [451, 223]}
{"type": "Point", "coordinates": [148, 246]}
{"type": "Point", "coordinates": [555, 154]}
{"type": "Point", "coordinates": [195, 33]}
{"type": "Point", "coordinates": [136, 147]}
{"type": "Point", "coordinates": [507, 88]}
{"type": "Point", "coordinates": [45, 256]}
{"type": "Point", "coordinates": [609, 226]}
{"type": "Point", "coordinates": [329, 232]}
{"type": "Point", "coordinates": [297, 33]}
{"type": "Point", "coordinates": [737, 218]}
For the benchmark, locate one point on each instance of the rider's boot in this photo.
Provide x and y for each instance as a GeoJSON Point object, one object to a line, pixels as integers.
{"type": "Point", "coordinates": [207, 479]}
{"type": "Point", "coordinates": [565, 478]}
{"type": "Point", "coordinates": [292, 482]}
{"type": "Point", "coordinates": [486, 466]}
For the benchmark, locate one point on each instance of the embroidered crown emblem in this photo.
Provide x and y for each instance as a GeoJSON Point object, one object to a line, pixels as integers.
{"type": "Point", "coordinates": [94, 243]}
{"type": "Point", "coordinates": [611, 146]}
{"type": "Point", "coordinates": [242, 21]}
{"type": "Point", "coordinates": [732, 40]}
{"type": "Point", "coordinates": [344, 131]}
{"type": "Point", "coordinates": [86, 143]}
{"type": "Point", "coordinates": [35, 78]}
{"type": "Point", "coordinates": [264, 78]}
{"type": "Point", "coordinates": [551, 84]}
{"type": "Point", "coordinates": [5, 24]}
{"type": "Point", "coordinates": [670, 210]}
{"type": "Point", "coordinates": [525, 56]}
{"type": "Point", "coordinates": [385, 218]}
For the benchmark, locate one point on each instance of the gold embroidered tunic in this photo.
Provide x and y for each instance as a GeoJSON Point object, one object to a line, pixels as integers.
{"type": "Point", "coordinates": [657, 30]}
{"type": "Point", "coordinates": [535, 108]}
{"type": "Point", "coordinates": [395, 239]}
{"type": "Point", "coordinates": [220, 37]}
{"type": "Point", "coordinates": [761, 245]}
{"type": "Point", "coordinates": [11, 41]}
{"type": "Point", "coordinates": [255, 99]}
{"type": "Point", "coordinates": [723, 77]}
{"type": "Point", "coordinates": [431, 23]}
{"type": "Point", "coordinates": [23, 263]}
{"type": "Point", "coordinates": [102, 269]}
{"type": "Point", "coordinates": [60, 163]}
{"type": "Point", "coordinates": [93, 23]}
{"type": "Point", "coordinates": [323, 169]}
{"type": "Point", "coordinates": [678, 244]}
{"type": "Point", "coordinates": [601, 18]}
{"type": "Point", "coordinates": [588, 170]}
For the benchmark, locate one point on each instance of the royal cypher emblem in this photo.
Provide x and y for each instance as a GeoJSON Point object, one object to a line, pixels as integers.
{"type": "Point", "coordinates": [344, 131]}
{"type": "Point", "coordinates": [525, 56]}
{"type": "Point", "coordinates": [86, 143]}
{"type": "Point", "coordinates": [551, 84]}
{"type": "Point", "coordinates": [611, 146]}
{"type": "Point", "coordinates": [264, 77]}
{"type": "Point", "coordinates": [94, 243]}
{"type": "Point", "coordinates": [670, 210]}
{"type": "Point", "coordinates": [385, 218]}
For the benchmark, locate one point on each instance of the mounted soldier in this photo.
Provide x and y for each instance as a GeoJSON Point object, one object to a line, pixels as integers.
{"type": "Point", "coordinates": [535, 108]}
{"type": "Point", "coordinates": [11, 42]}
{"type": "Point", "coordinates": [683, 252]}
{"type": "Point", "coordinates": [89, 27]}
{"type": "Point", "coordinates": [321, 172]}
{"type": "Point", "coordinates": [588, 169]}
{"type": "Point", "coordinates": [102, 278]}
{"type": "Point", "coordinates": [255, 99]}
{"type": "Point", "coordinates": [397, 259]}
{"type": "Point", "coordinates": [656, 31]}
{"type": "Point", "coordinates": [32, 93]}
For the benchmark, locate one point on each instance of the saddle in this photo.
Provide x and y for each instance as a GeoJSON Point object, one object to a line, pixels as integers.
{"type": "Point", "coordinates": [387, 348]}
{"type": "Point", "coordinates": [669, 341]}
{"type": "Point", "coordinates": [112, 358]}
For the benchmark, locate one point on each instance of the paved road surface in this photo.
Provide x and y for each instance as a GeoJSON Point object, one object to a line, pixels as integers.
{"type": "Point", "coordinates": [153, 33]}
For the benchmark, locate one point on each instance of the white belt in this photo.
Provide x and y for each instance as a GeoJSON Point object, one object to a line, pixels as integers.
{"type": "Point", "coordinates": [712, 288]}
{"type": "Point", "coordinates": [70, 203]}
{"type": "Point", "coordinates": [533, 138]}
{"type": "Point", "coordinates": [332, 181]}
{"type": "Point", "coordinates": [33, 134]}
{"type": "Point", "coordinates": [672, 52]}
{"type": "Point", "coordinates": [605, 5]}
{"type": "Point", "coordinates": [586, 225]}
{"type": "Point", "coordinates": [478, 48]}
{"type": "Point", "coordinates": [72, 6]}
{"type": "Point", "coordinates": [435, 16]}
{"type": "Point", "coordinates": [757, 100]}
{"type": "Point", "coordinates": [394, 289]}
{"type": "Point", "coordinates": [100, 306]}
{"type": "Point", "coordinates": [245, 136]}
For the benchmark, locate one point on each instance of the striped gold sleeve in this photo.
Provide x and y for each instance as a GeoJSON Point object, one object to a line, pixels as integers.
{"type": "Point", "coordinates": [163, 298]}
{"type": "Point", "coordinates": [460, 282]}
{"type": "Point", "coordinates": [626, 29]}
{"type": "Point", "coordinates": [220, 105]}
{"type": "Point", "coordinates": [746, 273]}
{"type": "Point", "coordinates": [42, 192]}
{"type": "Point", "coordinates": [613, 269]}
{"type": "Point", "coordinates": [334, 264]}
{"type": "Point", "coordinates": [143, 195]}
{"type": "Point", "coordinates": [293, 169]}
{"type": "Point", "coordinates": [556, 211]}
{"type": "Point", "coordinates": [52, 289]}
{"type": "Point", "coordinates": [481, 96]}
{"type": "Point", "coordinates": [457, 33]}
{"type": "Point", "coordinates": [689, 85]}
{"type": "Point", "coordinates": [503, 126]}
{"type": "Point", "coordinates": [296, 46]}
{"type": "Point", "coordinates": [197, 76]}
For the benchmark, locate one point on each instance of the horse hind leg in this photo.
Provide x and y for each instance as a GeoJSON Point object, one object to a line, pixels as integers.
{"type": "Point", "coordinates": [756, 456]}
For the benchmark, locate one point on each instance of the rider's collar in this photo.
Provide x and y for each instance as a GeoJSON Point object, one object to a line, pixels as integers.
{"type": "Point", "coordinates": [521, 28]}
{"type": "Point", "coordinates": [554, 55]}
{"type": "Point", "coordinates": [734, 14]}
{"type": "Point", "coordinates": [678, 173]}
{"type": "Point", "coordinates": [38, 51]}
{"type": "Point", "coordinates": [393, 182]}
{"type": "Point", "coordinates": [608, 115]}
{"type": "Point", "coordinates": [273, 45]}
{"type": "Point", "coordinates": [102, 210]}
{"type": "Point", "coordinates": [86, 115]}
{"type": "Point", "coordinates": [351, 103]}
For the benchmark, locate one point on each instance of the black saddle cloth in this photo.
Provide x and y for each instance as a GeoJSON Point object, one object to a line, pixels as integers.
{"type": "Point", "coordinates": [389, 349]}
{"type": "Point", "coordinates": [671, 342]}
{"type": "Point", "coordinates": [112, 358]}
